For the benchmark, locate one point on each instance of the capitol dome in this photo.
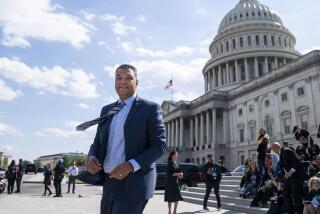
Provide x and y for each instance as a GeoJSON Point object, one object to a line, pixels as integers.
{"type": "Point", "coordinates": [251, 41]}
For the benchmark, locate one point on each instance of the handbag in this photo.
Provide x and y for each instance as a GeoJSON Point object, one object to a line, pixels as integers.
{"type": "Point", "coordinates": [88, 178]}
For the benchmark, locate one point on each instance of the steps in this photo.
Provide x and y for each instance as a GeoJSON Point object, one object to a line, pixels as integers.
{"type": "Point", "coordinates": [229, 195]}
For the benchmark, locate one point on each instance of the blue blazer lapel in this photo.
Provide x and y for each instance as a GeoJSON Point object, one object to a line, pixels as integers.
{"type": "Point", "coordinates": [134, 108]}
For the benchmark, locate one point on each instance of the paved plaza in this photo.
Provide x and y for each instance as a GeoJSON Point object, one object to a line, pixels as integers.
{"type": "Point", "coordinates": [31, 201]}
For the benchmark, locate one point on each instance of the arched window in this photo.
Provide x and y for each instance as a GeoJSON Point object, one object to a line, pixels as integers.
{"type": "Point", "coordinates": [257, 40]}
{"type": "Point", "coordinates": [241, 42]}
{"type": "Point", "coordinates": [265, 40]}
{"type": "Point", "coordinates": [227, 46]}
{"type": "Point", "coordinates": [272, 41]}
{"type": "Point", "coordinates": [221, 48]}
{"type": "Point", "coordinates": [269, 125]}
{"type": "Point", "coordinates": [249, 40]}
{"type": "Point", "coordinates": [279, 41]}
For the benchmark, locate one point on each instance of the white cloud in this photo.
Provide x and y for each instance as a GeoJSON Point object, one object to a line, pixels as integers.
{"type": "Point", "coordinates": [305, 51]}
{"type": "Point", "coordinates": [39, 134]}
{"type": "Point", "coordinates": [40, 19]}
{"type": "Point", "coordinates": [84, 106]}
{"type": "Point", "coordinates": [102, 43]}
{"type": "Point", "coordinates": [201, 11]}
{"type": "Point", "coordinates": [7, 148]}
{"type": "Point", "coordinates": [87, 16]}
{"type": "Point", "coordinates": [204, 47]}
{"type": "Point", "coordinates": [7, 93]}
{"type": "Point", "coordinates": [140, 51]}
{"type": "Point", "coordinates": [73, 82]}
{"type": "Point", "coordinates": [118, 27]}
{"type": "Point", "coordinates": [185, 95]}
{"type": "Point", "coordinates": [141, 18]}
{"type": "Point", "coordinates": [6, 129]}
{"type": "Point", "coordinates": [67, 131]}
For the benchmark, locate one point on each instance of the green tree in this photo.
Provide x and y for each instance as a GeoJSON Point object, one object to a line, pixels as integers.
{"type": "Point", "coordinates": [66, 161]}
{"type": "Point", "coordinates": [80, 160]}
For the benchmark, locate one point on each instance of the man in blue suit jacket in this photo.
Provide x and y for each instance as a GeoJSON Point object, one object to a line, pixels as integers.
{"type": "Point", "coordinates": [126, 146]}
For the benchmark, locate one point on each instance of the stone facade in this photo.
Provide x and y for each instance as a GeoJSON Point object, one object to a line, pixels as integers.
{"type": "Point", "coordinates": [254, 79]}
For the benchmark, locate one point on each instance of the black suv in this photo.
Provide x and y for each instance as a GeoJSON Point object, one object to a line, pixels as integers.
{"type": "Point", "coordinates": [192, 175]}
{"type": "Point", "coordinates": [30, 168]}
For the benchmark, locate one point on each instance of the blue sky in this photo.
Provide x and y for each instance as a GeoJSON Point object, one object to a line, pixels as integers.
{"type": "Point", "coordinates": [57, 60]}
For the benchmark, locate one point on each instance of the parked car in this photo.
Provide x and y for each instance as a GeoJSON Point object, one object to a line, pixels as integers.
{"type": "Point", "coordinates": [2, 173]}
{"type": "Point", "coordinates": [40, 169]}
{"type": "Point", "coordinates": [192, 175]}
{"type": "Point", "coordinates": [239, 170]}
{"type": "Point", "coordinates": [30, 168]}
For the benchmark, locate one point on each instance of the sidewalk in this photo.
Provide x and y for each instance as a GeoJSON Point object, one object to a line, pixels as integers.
{"type": "Point", "coordinates": [31, 201]}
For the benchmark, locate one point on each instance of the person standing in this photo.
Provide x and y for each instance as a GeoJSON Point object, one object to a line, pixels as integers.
{"type": "Point", "coordinates": [72, 172]}
{"type": "Point", "coordinates": [47, 179]}
{"type": "Point", "coordinates": [212, 180]}
{"type": "Point", "coordinates": [172, 191]}
{"type": "Point", "coordinates": [11, 175]}
{"type": "Point", "coordinates": [19, 175]}
{"type": "Point", "coordinates": [294, 175]}
{"type": "Point", "coordinates": [58, 177]}
{"type": "Point", "coordinates": [262, 140]}
{"type": "Point", "coordinates": [130, 138]}
{"type": "Point", "coordinates": [303, 136]}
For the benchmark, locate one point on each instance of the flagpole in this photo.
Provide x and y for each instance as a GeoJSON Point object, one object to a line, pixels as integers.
{"type": "Point", "coordinates": [171, 87]}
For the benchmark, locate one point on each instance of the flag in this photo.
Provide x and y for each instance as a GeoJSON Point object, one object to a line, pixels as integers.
{"type": "Point", "coordinates": [169, 84]}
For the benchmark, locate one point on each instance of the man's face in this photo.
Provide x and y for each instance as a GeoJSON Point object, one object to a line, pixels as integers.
{"type": "Point", "coordinates": [210, 159]}
{"type": "Point", "coordinates": [125, 83]}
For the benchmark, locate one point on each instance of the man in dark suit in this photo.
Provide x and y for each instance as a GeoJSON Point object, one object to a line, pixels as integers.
{"type": "Point", "coordinates": [126, 146]}
{"type": "Point", "coordinates": [294, 174]}
{"type": "Point", "coordinates": [212, 180]}
{"type": "Point", "coordinates": [19, 176]}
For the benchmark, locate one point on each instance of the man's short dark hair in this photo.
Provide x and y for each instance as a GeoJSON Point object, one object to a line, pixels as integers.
{"type": "Point", "coordinates": [127, 67]}
{"type": "Point", "coordinates": [295, 128]}
{"type": "Point", "coordinates": [209, 156]}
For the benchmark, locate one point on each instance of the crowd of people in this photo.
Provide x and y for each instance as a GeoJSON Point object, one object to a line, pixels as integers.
{"type": "Point", "coordinates": [284, 179]}
{"type": "Point", "coordinates": [15, 172]}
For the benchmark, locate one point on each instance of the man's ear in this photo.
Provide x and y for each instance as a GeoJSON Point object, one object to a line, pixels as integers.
{"type": "Point", "coordinates": [136, 82]}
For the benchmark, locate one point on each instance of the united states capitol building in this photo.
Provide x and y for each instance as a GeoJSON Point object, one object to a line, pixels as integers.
{"type": "Point", "coordinates": [254, 79]}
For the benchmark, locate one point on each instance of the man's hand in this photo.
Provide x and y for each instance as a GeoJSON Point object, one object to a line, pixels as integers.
{"type": "Point", "coordinates": [287, 175]}
{"type": "Point", "coordinates": [121, 171]}
{"type": "Point", "coordinates": [93, 165]}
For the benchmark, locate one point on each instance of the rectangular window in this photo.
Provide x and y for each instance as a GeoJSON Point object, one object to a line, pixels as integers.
{"type": "Point", "coordinates": [233, 44]}
{"type": "Point", "coordinates": [241, 135]}
{"type": "Point", "coordinates": [243, 73]}
{"type": "Point", "coordinates": [251, 109]}
{"type": "Point", "coordinates": [241, 42]}
{"type": "Point", "coordinates": [221, 48]}
{"type": "Point", "coordinates": [241, 158]}
{"type": "Point", "coordinates": [240, 112]}
{"type": "Point", "coordinates": [252, 132]}
{"type": "Point", "coordinates": [286, 125]}
{"type": "Point", "coordinates": [300, 91]}
{"type": "Point", "coordinates": [304, 121]}
{"type": "Point", "coordinates": [284, 97]}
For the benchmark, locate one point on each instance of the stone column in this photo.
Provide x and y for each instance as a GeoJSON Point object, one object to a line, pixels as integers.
{"type": "Point", "coordinates": [237, 71]}
{"type": "Point", "coordinates": [206, 82]}
{"type": "Point", "coordinates": [209, 79]}
{"type": "Point", "coordinates": [172, 134]}
{"type": "Point", "coordinates": [181, 143]}
{"type": "Point", "coordinates": [266, 65]}
{"type": "Point", "coordinates": [191, 133]}
{"type": "Point", "coordinates": [292, 105]}
{"type": "Point", "coordinates": [214, 129]}
{"type": "Point", "coordinates": [219, 76]}
{"type": "Point", "coordinates": [226, 129]}
{"type": "Point", "coordinates": [310, 96]}
{"type": "Point", "coordinates": [227, 73]}
{"type": "Point", "coordinates": [277, 127]}
{"type": "Point", "coordinates": [258, 113]}
{"type": "Point", "coordinates": [256, 67]}
{"type": "Point", "coordinates": [246, 131]}
{"type": "Point", "coordinates": [246, 69]}
{"type": "Point", "coordinates": [197, 129]}
{"type": "Point", "coordinates": [276, 62]}
{"type": "Point", "coordinates": [212, 79]}
{"type": "Point", "coordinates": [176, 143]}
{"type": "Point", "coordinates": [208, 128]}
{"type": "Point", "coordinates": [316, 99]}
{"type": "Point", "coordinates": [201, 129]}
